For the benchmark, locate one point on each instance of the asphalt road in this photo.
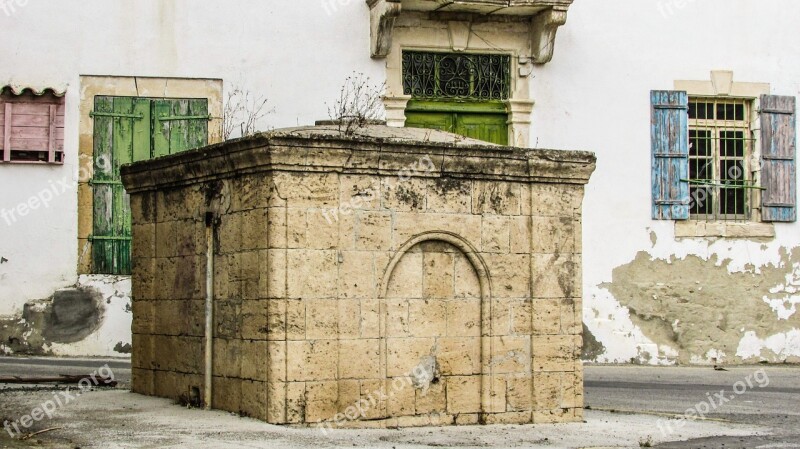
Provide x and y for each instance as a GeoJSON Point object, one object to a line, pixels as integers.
{"type": "Point", "coordinates": [770, 398]}
{"type": "Point", "coordinates": [754, 395]}
{"type": "Point", "coordinates": [50, 367]}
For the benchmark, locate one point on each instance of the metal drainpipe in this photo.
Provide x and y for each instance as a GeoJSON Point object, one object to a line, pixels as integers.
{"type": "Point", "coordinates": [209, 310]}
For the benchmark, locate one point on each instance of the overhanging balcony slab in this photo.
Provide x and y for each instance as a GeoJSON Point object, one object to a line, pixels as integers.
{"type": "Point", "coordinates": [545, 16]}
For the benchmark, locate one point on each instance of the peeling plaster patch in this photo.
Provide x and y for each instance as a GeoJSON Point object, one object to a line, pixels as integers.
{"type": "Point", "coordinates": [69, 316]}
{"type": "Point", "coordinates": [711, 357]}
{"type": "Point", "coordinates": [89, 319]}
{"type": "Point", "coordinates": [784, 346]}
{"type": "Point", "coordinates": [702, 309]}
{"type": "Point", "coordinates": [592, 348]}
{"type": "Point", "coordinates": [621, 338]}
{"type": "Point", "coordinates": [758, 254]}
{"type": "Point", "coordinates": [74, 315]}
{"type": "Point", "coordinates": [116, 327]}
{"type": "Point", "coordinates": [653, 238]}
{"type": "Point", "coordinates": [786, 305]}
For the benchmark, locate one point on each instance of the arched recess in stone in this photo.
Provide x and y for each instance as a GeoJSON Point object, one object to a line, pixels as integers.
{"type": "Point", "coordinates": [455, 325]}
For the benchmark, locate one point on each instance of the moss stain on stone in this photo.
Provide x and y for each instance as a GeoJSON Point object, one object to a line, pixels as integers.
{"type": "Point", "coordinates": [411, 197]}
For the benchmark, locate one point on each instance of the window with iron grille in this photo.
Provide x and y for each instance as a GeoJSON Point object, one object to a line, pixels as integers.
{"type": "Point", "coordinates": [703, 158]}
{"type": "Point", "coordinates": [456, 76]}
{"type": "Point", "coordinates": [720, 150]}
{"type": "Point", "coordinates": [459, 93]}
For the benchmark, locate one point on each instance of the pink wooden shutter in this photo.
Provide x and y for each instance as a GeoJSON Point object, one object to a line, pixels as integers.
{"type": "Point", "coordinates": [31, 128]}
{"type": "Point", "coordinates": [5, 133]}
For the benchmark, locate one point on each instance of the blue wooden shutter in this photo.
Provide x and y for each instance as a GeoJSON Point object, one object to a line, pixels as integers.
{"type": "Point", "coordinates": [669, 126]}
{"type": "Point", "coordinates": [778, 172]}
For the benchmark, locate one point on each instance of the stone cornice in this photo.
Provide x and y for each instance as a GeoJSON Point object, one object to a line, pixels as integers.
{"type": "Point", "coordinates": [265, 153]}
{"type": "Point", "coordinates": [546, 16]}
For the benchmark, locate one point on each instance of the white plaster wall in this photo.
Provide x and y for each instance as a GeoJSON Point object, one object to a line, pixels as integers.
{"type": "Point", "coordinates": [297, 54]}
{"type": "Point", "coordinates": [40, 254]}
{"type": "Point", "coordinates": [593, 96]}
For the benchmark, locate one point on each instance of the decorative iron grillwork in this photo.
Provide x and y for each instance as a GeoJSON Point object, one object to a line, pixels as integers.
{"type": "Point", "coordinates": [456, 76]}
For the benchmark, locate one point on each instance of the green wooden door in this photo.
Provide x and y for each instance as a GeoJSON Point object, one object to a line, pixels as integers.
{"type": "Point", "coordinates": [487, 122]}
{"type": "Point", "coordinates": [131, 130]}
{"type": "Point", "coordinates": [443, 121]}
{"type": "Point", "coordinates": [489, 127]}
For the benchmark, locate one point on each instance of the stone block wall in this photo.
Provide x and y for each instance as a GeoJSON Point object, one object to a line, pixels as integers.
{"type": "Point", "coordinates": [361, 283]}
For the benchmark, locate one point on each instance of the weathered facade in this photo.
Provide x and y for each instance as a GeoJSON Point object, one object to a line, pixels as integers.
{"type": "Point", "coordinates": [708, 289]}
{"type": "Point", "coordinates": [419, 276]}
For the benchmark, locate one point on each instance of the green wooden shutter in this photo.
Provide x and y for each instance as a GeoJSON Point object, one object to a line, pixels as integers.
{"type": "Point", "coordinates": [669, 128]}
{"type": "Point", "coordinates": [778, 154]}
{"type": "Point", "coordinates": [179, 125]}
{"type": "Point", "coordinates": [121, 135]}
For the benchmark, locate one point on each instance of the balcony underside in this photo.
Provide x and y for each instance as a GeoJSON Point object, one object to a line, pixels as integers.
{"type": "Point", "coordinates": [545, 16]}
{"type": "Point", "coordinates": [485, 7]}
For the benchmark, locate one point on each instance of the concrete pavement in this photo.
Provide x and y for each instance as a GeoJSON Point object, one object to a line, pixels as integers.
{"type": "Point", "coordinates": [630, 406]}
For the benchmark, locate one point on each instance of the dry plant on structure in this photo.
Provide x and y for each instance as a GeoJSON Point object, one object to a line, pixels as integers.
{"type": "Point", "coordinates": [242, 112]}
{"type": "Point", "coordinates": [360, 102]}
